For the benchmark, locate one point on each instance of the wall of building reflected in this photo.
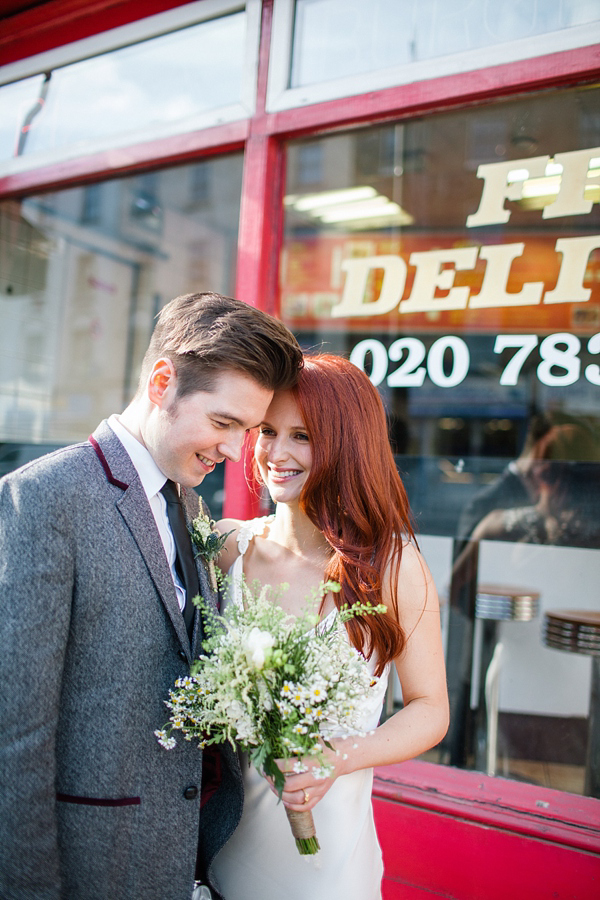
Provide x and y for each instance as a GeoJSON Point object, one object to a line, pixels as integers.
{"type": "Point", "coordinates": [83, 274]}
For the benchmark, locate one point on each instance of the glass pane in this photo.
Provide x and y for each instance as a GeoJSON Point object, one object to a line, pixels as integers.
{"type": "Point", "coordinates": [18, 102]}
{"type": "Point", "coordinates": [83, 274]}
{"type": "Point", "coordinates": [338, 38]}
{"type": "Point", "coordinates": [456, 258]}
{"type": "Point", "coordinates": [165, 79]}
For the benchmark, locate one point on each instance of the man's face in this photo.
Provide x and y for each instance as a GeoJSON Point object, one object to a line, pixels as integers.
{"type": "Point", "coordinates": [188, 436]}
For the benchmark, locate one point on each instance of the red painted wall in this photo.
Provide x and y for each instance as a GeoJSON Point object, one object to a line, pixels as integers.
{"type": "Point", "coordinates": [465, 836]}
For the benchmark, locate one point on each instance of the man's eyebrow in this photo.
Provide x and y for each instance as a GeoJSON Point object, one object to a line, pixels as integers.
{"type": "Point", "coordinates": [227, 415]}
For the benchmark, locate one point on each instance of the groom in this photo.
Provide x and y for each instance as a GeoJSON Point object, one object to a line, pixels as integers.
{"type": "Point", "coordinates": [93, 613]}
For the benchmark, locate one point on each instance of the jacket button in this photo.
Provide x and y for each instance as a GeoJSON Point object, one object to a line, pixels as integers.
{"type": "Point", "coordinates": [191, 792]}
{"type": "Point", "coordinates": [181, 655]}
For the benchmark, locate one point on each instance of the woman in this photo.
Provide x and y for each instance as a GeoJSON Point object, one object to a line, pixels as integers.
{"type": "Point", "coordinates": [341, 513]}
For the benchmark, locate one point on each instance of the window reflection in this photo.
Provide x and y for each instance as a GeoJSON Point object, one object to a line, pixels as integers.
{"type": "Point", "coordinates": [340, 38]}
{"type": "Point", "coordinates": [162, 80]}
{"type": "Point", "coordinates": [84, 273]}
{"type": "Point", "coordinates": [485, 346]}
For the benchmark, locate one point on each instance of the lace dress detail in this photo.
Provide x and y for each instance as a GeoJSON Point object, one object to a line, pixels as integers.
{"type": "Point", "coordinates": [260, 862]}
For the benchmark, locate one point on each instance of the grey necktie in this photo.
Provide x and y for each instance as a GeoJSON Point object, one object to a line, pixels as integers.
{"type": "Point", "coordinates": [184, 561]}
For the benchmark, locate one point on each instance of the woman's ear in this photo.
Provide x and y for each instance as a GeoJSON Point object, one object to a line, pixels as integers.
{"type": "Point", "coordinates": [162, 382]}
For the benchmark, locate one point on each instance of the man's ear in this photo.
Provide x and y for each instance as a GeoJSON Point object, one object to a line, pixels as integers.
{"type": "Point", "coordinates": [162, 382]}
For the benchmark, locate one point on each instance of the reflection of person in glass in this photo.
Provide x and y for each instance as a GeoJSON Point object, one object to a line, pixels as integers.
{"type": "Point", "coordinates": [341, 513]}
{"type": "Point", "coordinates": [514, 487]}
{"type": "Point", "coordinates": [562, 477]}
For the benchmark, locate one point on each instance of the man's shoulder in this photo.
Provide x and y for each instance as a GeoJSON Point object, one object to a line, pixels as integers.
{"type": "Point", "coordinates": [64, 461]}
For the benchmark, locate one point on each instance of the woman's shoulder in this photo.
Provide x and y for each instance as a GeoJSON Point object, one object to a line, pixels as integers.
{"type": "Point", "coordinates": [239, 534]}
{"type": "Point", "coordinates": [415, 585]}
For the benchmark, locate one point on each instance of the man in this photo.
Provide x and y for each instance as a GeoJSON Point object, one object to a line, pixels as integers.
{"type": "Point", "coordinates": [93, 611]}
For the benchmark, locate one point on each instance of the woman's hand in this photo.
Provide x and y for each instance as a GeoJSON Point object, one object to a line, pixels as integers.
{"type": "Point", "coordinates": [303, 790]}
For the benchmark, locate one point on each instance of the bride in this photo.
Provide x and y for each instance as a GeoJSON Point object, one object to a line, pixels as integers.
{"type": "Point", "coordinates": [342, 514]}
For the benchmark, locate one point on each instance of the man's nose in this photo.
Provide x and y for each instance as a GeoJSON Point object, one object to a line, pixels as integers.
{"type": "Point", "coordinates": [231, 448]}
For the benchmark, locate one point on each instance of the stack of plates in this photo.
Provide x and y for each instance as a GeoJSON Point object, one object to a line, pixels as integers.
{"type": "Point", "coordinates": [506, 603]}
{"type": "Point", "coordinates": [577, 630]}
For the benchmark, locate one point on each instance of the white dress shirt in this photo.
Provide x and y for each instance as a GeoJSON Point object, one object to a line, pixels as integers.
{"type": "Point", "coordinates": [152, 481]}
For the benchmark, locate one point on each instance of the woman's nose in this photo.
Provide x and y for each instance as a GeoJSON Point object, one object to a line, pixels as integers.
{"type": "Point", "coordinates": [278, 450]}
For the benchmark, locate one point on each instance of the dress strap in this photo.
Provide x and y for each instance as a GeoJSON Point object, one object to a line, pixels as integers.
{"type": "Point", "coordinates": [249, 530]}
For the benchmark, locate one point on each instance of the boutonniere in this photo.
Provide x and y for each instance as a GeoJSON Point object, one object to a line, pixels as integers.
{"type": "Point", "coordinates": [207, 542]}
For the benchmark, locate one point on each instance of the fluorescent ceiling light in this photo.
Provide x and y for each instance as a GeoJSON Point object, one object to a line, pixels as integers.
{"type": "Point", "coordinates": [384, 221]}
{"type": "Point", "coordinates": [353, 210]}
{"type": "Point", "coordinates": [517, 175]}
{"type": "Point", "coordinates": [541, 187]}
{"type": "Point", "coordinates": [309, 202]}
{"type": "Point", "coordinates": [538, 192]}
{"type": "Point", "coordinates": [374, 210]}
{"type": "Point", "coordinates": [351, 205]}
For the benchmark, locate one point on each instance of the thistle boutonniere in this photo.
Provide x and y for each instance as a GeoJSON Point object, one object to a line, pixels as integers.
{"type": "Point", "coordinates": [207, 542]}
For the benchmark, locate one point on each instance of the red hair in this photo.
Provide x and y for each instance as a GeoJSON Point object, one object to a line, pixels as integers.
{"type": "Point", "coordinates": [354, 495]}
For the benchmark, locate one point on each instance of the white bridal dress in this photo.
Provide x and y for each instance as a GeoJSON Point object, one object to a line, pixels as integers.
{"type": "Point", "coordinates": [261, 862]}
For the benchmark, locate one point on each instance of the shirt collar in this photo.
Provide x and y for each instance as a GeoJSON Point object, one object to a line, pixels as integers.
{"type": "Point", "coordinates": [150, 475]}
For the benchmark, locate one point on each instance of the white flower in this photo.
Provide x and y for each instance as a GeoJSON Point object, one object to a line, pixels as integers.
{"type": "Point", "coordinates": [318, 693]}
{"type": "Point", "coordinates": [287, 689]}
{"type": "Point", "coordinates": [299, 695]}
{"type": "Point", "coordinates": [255, 645]}
{"type": "Point", "coordinates": [235, 711]}
{"type": "Point", "coordinates": [283, 708]}
{"type": "Point", "coordinates": [167, 742]}
{"type": "Point", "coordinates": [203, 524]}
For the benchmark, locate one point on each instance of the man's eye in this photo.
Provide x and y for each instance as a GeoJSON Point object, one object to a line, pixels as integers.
{"type": "Point", "coordinates": [222, 424]}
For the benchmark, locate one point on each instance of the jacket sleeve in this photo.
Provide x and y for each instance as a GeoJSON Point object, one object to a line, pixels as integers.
{"type": "Point", "coordinates": [36, 587]}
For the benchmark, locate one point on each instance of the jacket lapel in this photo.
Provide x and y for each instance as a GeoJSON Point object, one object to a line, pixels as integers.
{"type": "Point", "coordinates": [133, 506]}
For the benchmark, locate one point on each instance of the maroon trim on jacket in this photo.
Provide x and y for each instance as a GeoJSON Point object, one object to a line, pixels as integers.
{"type": "Point", "coordinates": [212, 774]}
{"type": "Point", "coordinates": [105, 466]}
{"type": "Point", "coordinates": [99, 801]}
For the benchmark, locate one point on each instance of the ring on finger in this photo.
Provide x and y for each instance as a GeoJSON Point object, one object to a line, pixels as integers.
{"type": "Point", "coordinates": [306, 796]}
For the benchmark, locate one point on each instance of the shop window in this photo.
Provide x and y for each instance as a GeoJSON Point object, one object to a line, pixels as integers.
{"type": "Point", "coordinates": [337, 48]}
{"type": "Point", "coordinates": [85, 100]}
{"type": "Point", "coordinates": [467, 286]}
{"type": "Point", "coordinates": [84, 273]}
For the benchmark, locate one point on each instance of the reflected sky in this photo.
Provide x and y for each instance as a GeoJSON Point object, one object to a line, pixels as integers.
{"type": "Point", "coordinates": [339, 38]}
{"type": "Point", "coordinates": [165, 79]}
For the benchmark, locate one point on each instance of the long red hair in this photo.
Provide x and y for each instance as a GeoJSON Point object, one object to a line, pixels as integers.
{"type": "Point", "coordinates": [354, 495]}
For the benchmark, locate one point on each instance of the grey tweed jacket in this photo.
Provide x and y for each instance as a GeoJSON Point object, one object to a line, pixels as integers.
{"type": "Point", "coordinates": [91, 807]}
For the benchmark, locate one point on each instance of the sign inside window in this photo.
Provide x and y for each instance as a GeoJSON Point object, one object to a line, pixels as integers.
{"type": "Point", "coordinates": [545, 284]}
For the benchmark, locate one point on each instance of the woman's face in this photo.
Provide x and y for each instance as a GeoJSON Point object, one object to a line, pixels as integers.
{"type": "Point", "coordinates": [283, 452]}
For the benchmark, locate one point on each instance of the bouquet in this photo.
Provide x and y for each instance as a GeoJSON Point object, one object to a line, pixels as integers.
{"type": "Point", "coordinates": [275, 686]}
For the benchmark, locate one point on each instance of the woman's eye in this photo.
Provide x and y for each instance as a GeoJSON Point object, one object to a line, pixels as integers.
{"type": "Point", "coordinates": [301, 436]}
{"type": "Point", "coordinates": [264, 430]}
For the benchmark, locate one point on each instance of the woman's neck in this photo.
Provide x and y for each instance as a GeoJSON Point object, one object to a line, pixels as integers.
{"type": "Point", "coordinates": [293, 530]}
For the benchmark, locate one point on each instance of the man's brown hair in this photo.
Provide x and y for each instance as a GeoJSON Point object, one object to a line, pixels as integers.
{"type": "Point", "coordinates": [206, 334]}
